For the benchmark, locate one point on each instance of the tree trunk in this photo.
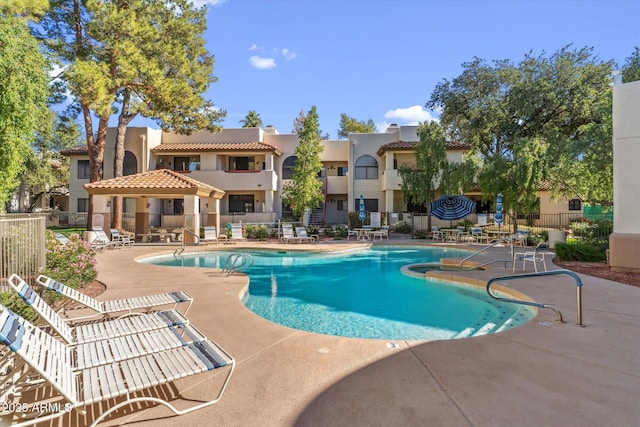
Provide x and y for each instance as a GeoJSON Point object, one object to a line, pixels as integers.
{"type": "Point", "coordinates": [118, 162]}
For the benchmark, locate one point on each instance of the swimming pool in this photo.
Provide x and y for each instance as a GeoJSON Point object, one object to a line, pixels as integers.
{"type": "Point", "coordinates": [363, 294]}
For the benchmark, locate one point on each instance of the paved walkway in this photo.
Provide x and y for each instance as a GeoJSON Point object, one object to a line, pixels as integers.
{"type": "Point", "coordinates": [540, 374]}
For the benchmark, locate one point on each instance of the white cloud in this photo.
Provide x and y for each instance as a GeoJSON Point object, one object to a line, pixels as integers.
{"type": "Point", "coordinates": [200, 3]}
{"type": "Point", "coordinates": [256, 47]}
{"type": "Point", "coordinates": [289, 54]}
{"type": "Point", "coordinates": [262, 63]}
{"type": "Point", "coordinates": [409, 116]}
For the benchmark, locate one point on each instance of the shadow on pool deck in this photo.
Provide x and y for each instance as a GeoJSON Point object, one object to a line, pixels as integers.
{"type": "Point", "coordinates": [542, 373]}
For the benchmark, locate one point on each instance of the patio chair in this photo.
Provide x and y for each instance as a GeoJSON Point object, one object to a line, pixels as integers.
{"type": "Point", "coordinates": [102, 241]}
{"type": "Point", "coordinates": [520, 238]}
{"type": "Point", "coordinates": [62, 239]}
{"type": "Point", "coordinates": [45, 361]}
{"type": "Point", "coordinates": [302, 236]}
{"type": "Point", "coordinates": [211, 236]}
{"type": "Point", "coordinates": [382, 233]}
{"type": "Point", "coordinates": [109, 308]}
{"type": "Point", "coordinates": [536, 256]}
{"type": "Point", "coordinates": [287, 234]}
{"type": "Point", "coordinates": [479, 236]}
{"type": "Point", "coordinates": [436, 234]}
{"type": "Point", "coordinates": [352, 232]}
{"type": "Point", "coordinates": [121, 237]}
{"type": "Point", "coordinates": [236, 233]}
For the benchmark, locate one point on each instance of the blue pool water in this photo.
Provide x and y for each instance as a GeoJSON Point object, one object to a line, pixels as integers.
{"type": "Point", "coordinates": [363, 294]}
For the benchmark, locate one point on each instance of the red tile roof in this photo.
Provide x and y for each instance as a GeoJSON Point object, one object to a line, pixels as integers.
{"type": "Point", "coordinates": [208, 146]}
{"type": "Point", "coordinates": [75, 151]}
{"type": "Point", "coordinates": [152, 182]}
{"type": "Point", "coordinates": [411, 145]}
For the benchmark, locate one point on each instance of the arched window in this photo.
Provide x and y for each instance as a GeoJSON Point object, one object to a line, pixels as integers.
{"type": "Point", "coordinates": [366, 168]}
{"type": "Point", "coordinates": [130, 164]}
{"type": "Point", "coordinates": [287, 167]}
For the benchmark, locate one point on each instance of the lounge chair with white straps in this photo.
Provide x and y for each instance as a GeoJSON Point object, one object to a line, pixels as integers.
{"type": "Point", "coordinates": [42, 360]}
{"type": "Point", "coordinates": [110, 308]}
{"type": "Point", "coordinates": [171, 321]}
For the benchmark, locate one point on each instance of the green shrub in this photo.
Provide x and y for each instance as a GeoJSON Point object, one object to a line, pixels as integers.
{"type": "Point", "coordinates": [73, 264]}
{"type": "Point", "coordinates": [313, 229]}
{"type": "Point", "coordinates": [402, 227]}
{"type": "Point", "coordinates": [341, 230]}
{"type": "Point", "coordinates": [329, 231]}
{"type": "Point", "coordinates": [420, 234]}
{"type": "Point", "coordinates": [254, 231]}
{"type": "Point", "coordinates": [579, 252]}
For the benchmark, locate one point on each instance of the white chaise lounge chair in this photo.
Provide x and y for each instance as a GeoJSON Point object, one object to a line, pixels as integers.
{"type": "Point", "coordinates": [302, 236]}
{"type": "Point", "coordinates": [236, 233]}
{"type": "Point", "coordinates": [111, 308]}
{"type": "Point", "coordinates": [210, 235]}
{"type": "Point", "coordinates": [42, 360]}
{"type": "Point", "coordinates": [169, 321]}
{"type": "Point", "coordinates": [287, 234]}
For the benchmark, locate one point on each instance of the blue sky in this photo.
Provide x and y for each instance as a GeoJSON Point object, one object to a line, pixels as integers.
{"type": "Point", "coordinates": [381, 59]}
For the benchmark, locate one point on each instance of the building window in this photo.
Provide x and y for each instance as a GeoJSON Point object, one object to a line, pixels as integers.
{"type": "Point", "coordinates": [245, 163]}
{"type": "Point", "coordinates": [342, 171]}
{"type": "Point", "coordinates": [241, 203]}
{"type": "Point", "coordinates": [130, 164]}
{"type": "Point", "coordinates": [370, 205]}
{"type": "Point", "coordinates": [189, 163]}
{"type": "Point", "coordinates": [575, 205]}
{"type": "Point", "coordinates": [83, 170]}
{"type": "Point", "coordinates": [342, 205]}
{"type": "Point", "coordinates": [287, 167]}
{"type": "Point", "coordinates": [366, 168]}
{"type": "Point", "coordinates": [178, 206]}
{"type": "Point", "coordinates": [83, 205]}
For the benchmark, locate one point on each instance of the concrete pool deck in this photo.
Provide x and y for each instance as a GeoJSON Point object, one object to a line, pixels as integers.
{"type": "Point", "coordinates": [541, 373]}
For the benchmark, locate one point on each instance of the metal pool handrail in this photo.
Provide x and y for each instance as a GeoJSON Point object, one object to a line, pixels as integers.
{"type": "Point", "coordinates": [236, 262]}
{"type": "Point", "coordinates": [184, 241]}
{"type": "Point", "coordinates": [499, 241]}
{"type": "Point", "coordinates": [537, 304]}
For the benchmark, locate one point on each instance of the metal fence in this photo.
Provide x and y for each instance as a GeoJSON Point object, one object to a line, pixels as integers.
{"type": "Point", "coordinates": [22, 246]}
{"type": "Point", "coordinates": [576, 224]}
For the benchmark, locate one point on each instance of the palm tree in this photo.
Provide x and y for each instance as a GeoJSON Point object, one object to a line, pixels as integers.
{"type": "Point", "coordinates": [252, 120]}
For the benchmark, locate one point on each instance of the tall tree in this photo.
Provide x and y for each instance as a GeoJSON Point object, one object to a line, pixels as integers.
{"type": "Point", "coordinates": [145, 57]}
{"type": "Point", "coordinates": [304, 191]}
{"type": "Point", "coordinates": [433, 171]}
{"type": "Point", "coordinates": [251, 120]}
{"type": "Point", "coordinates": [23, 96]}
{"type": "Point", "coordinates": [298, 122]}
{"type": "Point", "coordinates": [349, 124]}
{"type": "Point", "coordinates": [519, 116]}
{"type": "Point", "coordinates": [47, 170]}
{"type": "Point", "coordinates": [631, 69]}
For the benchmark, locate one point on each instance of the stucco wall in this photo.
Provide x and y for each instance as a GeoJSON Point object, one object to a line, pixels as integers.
{"type": "Point", "coordinates": [624, 243]}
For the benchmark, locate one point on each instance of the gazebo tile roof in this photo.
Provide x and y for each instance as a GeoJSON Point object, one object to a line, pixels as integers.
{"type": "Point", "coordinates": [156, 179]}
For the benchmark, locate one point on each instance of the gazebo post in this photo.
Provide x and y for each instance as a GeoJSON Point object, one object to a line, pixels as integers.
{"type": "Point", "coordinates": [192, 207]}
{"type": "Point", "coordinates": [142, 216]}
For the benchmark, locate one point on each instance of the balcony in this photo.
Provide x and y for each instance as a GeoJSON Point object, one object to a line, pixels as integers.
{"type": "Point", "coordinates": [238, 179]}
{"type": "Point", "coordinates": [391, 180]}
{"type": "Point", "coordinates": [337, 184]}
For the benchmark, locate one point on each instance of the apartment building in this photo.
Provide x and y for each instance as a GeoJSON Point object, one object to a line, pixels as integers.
{"type": "Point", "coordinates": [251, 165]}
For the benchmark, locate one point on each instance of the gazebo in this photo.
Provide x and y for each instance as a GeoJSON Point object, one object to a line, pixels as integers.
{"type": "Point", "coordinates": [157, 184]}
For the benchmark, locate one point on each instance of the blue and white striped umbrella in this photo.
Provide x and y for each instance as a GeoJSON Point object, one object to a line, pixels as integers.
{"type": "Point", "coordinates": [498, 217]}
{"type": "Point", "coordinates": [363, 214]}
{"type": "Point", "coordinates": [452, 208]}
